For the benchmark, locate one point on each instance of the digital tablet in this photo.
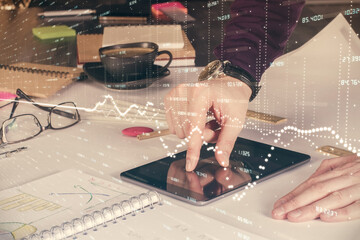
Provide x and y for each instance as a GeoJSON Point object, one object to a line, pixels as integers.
{"type": "Point", "coordinates": [250, 162]}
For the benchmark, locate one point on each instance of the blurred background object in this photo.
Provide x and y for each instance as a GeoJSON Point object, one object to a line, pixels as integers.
{"type": "Point", "coordinates": [13, 4]}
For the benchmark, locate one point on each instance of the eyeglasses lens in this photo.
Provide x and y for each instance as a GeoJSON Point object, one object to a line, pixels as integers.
{"type": "Point", "coordinates": [21, 128]}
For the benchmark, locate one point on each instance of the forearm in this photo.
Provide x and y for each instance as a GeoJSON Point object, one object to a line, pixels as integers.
{"type": "Point", "coordinates": [258, 32]}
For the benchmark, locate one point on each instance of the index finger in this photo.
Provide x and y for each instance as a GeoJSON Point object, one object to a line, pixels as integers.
{"type": "Point", "coordinates": [197, 120]}
{"type": "Point", "coordinates": [332, 163]}
{"type": "Point", "coordinates": [226, 142]}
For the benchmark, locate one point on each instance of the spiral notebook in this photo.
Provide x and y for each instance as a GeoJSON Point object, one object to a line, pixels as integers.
{"type": "Point", "coordinates": [37, 80]}
{"type": "Point", "coordinates": [75, 205]}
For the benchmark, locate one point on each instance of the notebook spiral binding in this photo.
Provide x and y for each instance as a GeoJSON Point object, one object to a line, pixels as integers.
{"type": "Point", "coordinates": [35, 71]}
{"type": "Point", "coordinates": [100, 217]}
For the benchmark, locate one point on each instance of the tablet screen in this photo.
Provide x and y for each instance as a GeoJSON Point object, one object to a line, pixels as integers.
{"type": "Point", "coordinates": [249, 162]}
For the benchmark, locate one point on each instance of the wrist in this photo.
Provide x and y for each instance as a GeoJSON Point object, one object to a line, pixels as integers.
{"type": "Point", "coordinates": [243, 76]}
{"type": "Point", "coordinates": [242, 88]}
{"type": "Point", "coordinates": [221, 69]}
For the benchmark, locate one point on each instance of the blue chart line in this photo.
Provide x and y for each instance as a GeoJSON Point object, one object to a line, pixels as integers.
{"type": "Point", "coordinates": [86, 193]}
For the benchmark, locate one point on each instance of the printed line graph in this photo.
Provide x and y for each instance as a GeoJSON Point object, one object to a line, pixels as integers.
{"type": "Point", "coordinates": [86, 192]}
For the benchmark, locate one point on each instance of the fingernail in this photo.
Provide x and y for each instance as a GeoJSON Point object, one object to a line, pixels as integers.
{"type": "Point", "coordinates": [279, 211]}
{"type": "Point", "coordinates": [225, 163]}
{"type": "Point", "coordinates": [295, 214]}
{"type": "Point", "coordinates": [279, 203]}
{"type": "Point", "coordinates": [327, 216]}
{"type": "Point", "coordinates": [225, 158]}
{"type": "Point", "coordinates": [188, 164]}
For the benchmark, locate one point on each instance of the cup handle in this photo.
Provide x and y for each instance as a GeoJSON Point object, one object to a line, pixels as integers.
{"type": "Point", "coordinates": [161, 70]}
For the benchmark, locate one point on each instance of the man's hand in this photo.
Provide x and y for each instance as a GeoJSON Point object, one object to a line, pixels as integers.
{"type": "Point", "coordinates": [331, 193]}
{"type": "Point", "coordinates": [187, 107]}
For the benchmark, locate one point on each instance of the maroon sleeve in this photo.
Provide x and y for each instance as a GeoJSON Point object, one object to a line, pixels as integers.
{"type": "Point", "coordinates": [257, 33]}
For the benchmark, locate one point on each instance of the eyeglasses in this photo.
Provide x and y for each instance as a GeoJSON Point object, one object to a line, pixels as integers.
{"type": "Point", "coordinates": [26, 126]}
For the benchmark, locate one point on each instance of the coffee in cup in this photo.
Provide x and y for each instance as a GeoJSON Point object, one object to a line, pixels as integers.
{"type": "Point", "coordinates": [132, 60]}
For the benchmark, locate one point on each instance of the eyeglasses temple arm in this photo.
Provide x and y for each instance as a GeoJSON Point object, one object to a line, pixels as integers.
{"type": "Point", "coordinates": [64, 114]}
{"type": "Point", "coordinates": [21, 94]}
{"type": "Point", "coordinates": [16, 103]}
{"type": "Point", "coordinates": [11, 102]}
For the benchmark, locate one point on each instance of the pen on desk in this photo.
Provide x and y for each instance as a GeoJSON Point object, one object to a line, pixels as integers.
{"type": "Point", "coordinates": [122, 20]}
{"type": "Point", "coordinates": [76, 12]}
{"type": "Point", "coordinates": [158, 133]}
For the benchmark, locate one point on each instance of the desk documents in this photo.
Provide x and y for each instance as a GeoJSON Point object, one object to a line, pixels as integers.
{"type": "Point", "coordinates": [75, 203]}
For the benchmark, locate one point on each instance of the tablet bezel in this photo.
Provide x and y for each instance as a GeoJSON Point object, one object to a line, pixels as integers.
{"type": "Point", "coordinates": [303, 158]}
